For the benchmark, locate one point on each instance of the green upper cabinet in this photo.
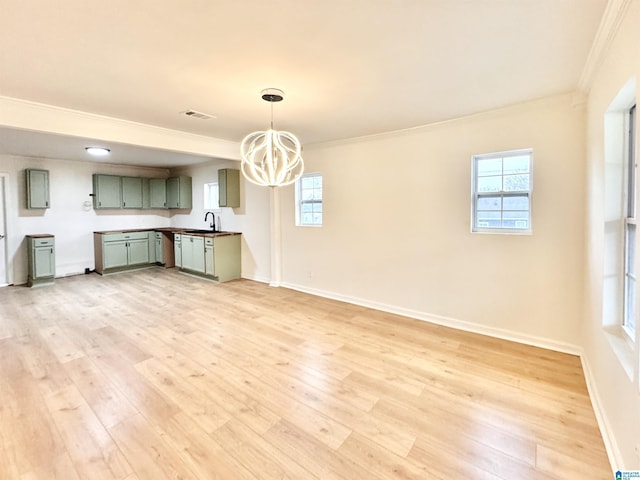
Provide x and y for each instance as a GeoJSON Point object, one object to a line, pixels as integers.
{"type": "Point", "coordinates": [179, 192]}
{"type": "Point", "coordinates": [107, 191]}
{"type": "Point", "coordinates": [229, 187]}
{"type": "Point", "coordinates": [37, 182]}
{"type": "Point", "coordinates": [157, 193]}
{"type": "Point", "coordinates": [131, 192]}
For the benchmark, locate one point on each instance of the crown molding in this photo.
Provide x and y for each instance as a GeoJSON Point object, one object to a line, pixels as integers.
{"type": "Point", "coordinates": [611, 19]}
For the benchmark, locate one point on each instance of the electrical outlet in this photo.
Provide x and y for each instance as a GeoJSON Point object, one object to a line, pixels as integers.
{"type": "Point", "coordinates": [638, 451]}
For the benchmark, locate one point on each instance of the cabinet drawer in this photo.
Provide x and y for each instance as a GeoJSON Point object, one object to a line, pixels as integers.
{"type": "Point", "coordinates": [208, 241]}
{"type": "Point", "coordinates": [43, 242]}
{"type": "Point", "coordinates": [119, 237]}
{"type": "Point", "coordinates": [158, 235]}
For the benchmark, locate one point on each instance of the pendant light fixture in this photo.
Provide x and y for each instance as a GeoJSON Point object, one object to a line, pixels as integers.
{"type": "Point", "coordinates": [271, 158]}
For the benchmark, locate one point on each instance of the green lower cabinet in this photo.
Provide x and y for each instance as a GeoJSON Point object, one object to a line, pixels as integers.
{"type": "Point", "coordinates": [177, 249]}
{"type": "Point", "coordinates": [41, 260]}
{"type": "Point", "coordinates": [157, 245]}
{"type": "Point", "coordinates": [193, 253]}
{"type": "Point", "coordinates": [216, 257]}
{"type": "Point", "coordinates": [121, 251]}
{"type": "Point", "coordinates": [226, 257]}
{"type": "Point", "coordinates": [138, 251]}
{"type": "Point", "coordinates": [209, 269]}
{"type": "Point", "coordinates": [115, 254]}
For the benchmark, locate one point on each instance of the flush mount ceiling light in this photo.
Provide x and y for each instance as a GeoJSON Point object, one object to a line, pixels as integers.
{"type": "Point", "coordinates": [271, 158]}
{"type": "Point", "coordinates": [97, 151]}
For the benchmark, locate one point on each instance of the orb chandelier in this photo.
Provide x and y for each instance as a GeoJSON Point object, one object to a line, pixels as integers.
{"type": "Point", "coordinates": [271, 158]}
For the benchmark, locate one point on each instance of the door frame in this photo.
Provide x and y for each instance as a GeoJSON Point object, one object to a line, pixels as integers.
{"type": "Point", "coordinates": [4, 249]}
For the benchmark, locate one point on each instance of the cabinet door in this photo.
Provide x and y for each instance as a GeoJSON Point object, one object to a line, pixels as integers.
{"type": "Point", "coordinates": [157, 193]}
{"type": "Point", "coordinates": [198, 254]}
{"type": "Point", "coordinates": [208, 261]}
{"type": "Point", "coordinates": [173, 192]}
{"type": "Point", "coordinates": [187, 251]}
{"type": "Point", "coordinates": [229, 187]}
{"type": "Point", "coordinates": [179, 192]}
{"type": "Point", "coordinates": [138, 251]}
{"type": "Point", "coordinates": [107, 191]}
{"type": "Point", "coordinates": [159, 253]}
{"type": "Point", "coordinates": [177, 249]}
{"type": "Point", "coordinates": [114, 254]}
{"type": "Point", "coordinates": [226, 255]}
{"type": "Point", "coordinates": [131, 192]}
{"type": "Point", "coordinates": [37, 188]}
{"type": "Point", "coordinates": [43, 262]}
{"type": "Point", "coordinates": [193, 253]}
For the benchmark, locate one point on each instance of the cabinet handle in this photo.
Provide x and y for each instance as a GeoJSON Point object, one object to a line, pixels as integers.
{"type": "Point", "coordinates": [52, 250]}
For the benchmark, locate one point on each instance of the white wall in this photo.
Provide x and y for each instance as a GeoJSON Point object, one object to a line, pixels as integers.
{"type": "Point", "coordinates": [396, 231]}
{"type": "Point", "coordinates": [67, 219]}
{"type": "Point", "coordinates": [615, 391]}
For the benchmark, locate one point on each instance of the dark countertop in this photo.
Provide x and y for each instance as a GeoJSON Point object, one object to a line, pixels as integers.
{"type": "Point", "coordinates": [185, 230]}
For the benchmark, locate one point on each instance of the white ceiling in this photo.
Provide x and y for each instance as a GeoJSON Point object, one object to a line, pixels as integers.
{"type": "Point", "coordinates": [348, 67]}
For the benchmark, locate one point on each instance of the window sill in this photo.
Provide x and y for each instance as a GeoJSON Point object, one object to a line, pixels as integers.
{"type": "Point", "coordinates": [622, 348]}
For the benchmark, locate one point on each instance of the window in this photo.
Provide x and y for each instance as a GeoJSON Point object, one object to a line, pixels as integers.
{"type": "Point", "coordinates": [309, 200]}
{"type": "Point", "coordinates": [502, 192]}
{"type": "Point", "coordinates": [629, 292]}
{"type": "Point", "coordinates": [211, 196]}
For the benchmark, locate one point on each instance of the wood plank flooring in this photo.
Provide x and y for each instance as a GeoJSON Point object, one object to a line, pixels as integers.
{"type": "Point", "coordinates": [154, 375]}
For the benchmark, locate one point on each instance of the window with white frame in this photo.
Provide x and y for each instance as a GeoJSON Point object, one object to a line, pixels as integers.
{"type": "Point", "coordinates": [629, 289]}
{"type": "Point", "coordinates": [211, 201]}
{"type": "Point", "coordinates": [309, 200]}
{"type": "Point", "coordinates": [501, 192]}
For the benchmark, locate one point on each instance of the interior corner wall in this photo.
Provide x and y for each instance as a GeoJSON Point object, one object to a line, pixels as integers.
{"type": "Point", "coordinates": [617, 395]}
{"type": "Point", "coordinates": [396, 232]}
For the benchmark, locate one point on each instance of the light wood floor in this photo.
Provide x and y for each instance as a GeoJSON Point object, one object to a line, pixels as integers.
{"type": "Point", "coordinates": [154, 375]}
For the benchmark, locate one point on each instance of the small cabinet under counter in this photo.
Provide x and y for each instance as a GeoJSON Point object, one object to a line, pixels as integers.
{"type": "Point", "coordinates": [41, 259]}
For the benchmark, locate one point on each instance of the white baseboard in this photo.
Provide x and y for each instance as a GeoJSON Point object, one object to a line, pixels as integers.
{"type": "Point", "coordinates": [609, 439]}
{"type": "Point", "coordinates": [257, 278]}
{"type": "Point", "coordinates": [501, 333]}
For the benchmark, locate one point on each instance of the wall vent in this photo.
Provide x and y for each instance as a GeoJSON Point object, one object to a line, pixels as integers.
{"type": "Point", "coordinates": [196, 114]}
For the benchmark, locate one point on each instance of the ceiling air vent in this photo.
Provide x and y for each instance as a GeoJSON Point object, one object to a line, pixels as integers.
{"type": "Point", "coordinates": [196, 114]}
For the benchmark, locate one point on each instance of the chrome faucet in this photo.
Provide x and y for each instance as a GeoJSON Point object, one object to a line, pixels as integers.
{"type": "Point", "coordinates": [213, 220]}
